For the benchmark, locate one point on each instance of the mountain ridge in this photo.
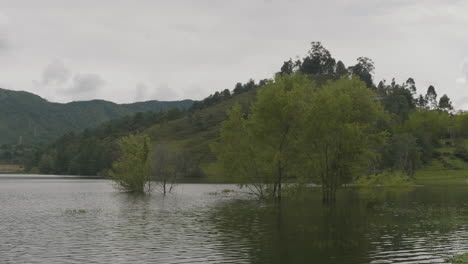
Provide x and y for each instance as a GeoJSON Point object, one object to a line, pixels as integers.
{"type": "Point", "coordinates": [27, 118]}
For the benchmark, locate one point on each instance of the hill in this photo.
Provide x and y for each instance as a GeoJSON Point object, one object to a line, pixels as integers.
{"type": "Point", "coordinates": [413, 126]}
{"type": "Point", "coordinates": [29, 119]}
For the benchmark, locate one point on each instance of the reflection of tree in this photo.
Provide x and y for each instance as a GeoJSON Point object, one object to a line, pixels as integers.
{"type": "Point", "coordinates": [364, 225]}
{"type": "Point", "coordinates": [299, 231]}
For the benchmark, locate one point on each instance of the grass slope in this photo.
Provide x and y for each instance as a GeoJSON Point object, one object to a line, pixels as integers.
{"type": "Point", "coordinates": [445, 169]}
{"type": "Point", "coordinates": [194, 132]}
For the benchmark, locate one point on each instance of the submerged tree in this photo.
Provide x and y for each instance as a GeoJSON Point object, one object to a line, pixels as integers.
{"type": "Point", "coordinates": [339, 137]}
{"type": "Point", "coordinates": [261, 148]}
{"type": "Point", "coordinates": [131, 171]}
{"type": "Point", "coordinates": [297, 130]}
{"type": "Point", "coordinates": [168, 167]}
{"type": "Point", "coordinates": [239, 156]}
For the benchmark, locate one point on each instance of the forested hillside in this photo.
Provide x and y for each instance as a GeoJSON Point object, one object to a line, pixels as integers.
{"type": "Point", "coordinates": [26, 118]}
{"type": "Point", "coordinates": [416, 127]}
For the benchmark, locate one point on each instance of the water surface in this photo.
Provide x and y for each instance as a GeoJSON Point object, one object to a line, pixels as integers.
{"type": "Point", "coordinates": [70, 220]}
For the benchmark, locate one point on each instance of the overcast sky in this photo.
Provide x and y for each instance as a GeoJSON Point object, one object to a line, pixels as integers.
{"type": "Point", "coordinates": [126, 51]}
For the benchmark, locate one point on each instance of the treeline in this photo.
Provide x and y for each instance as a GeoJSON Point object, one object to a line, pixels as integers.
{"type": "Point", "coordinates": [93, 151]}
{"type": "Point", "coordinates": [315, 122]}
{"type": "Point", "coordinates": [415, 125]}
{"type": "Point", "coordinates": [218, 97]}
{"type": "Point", "coordinates": [17, 154]}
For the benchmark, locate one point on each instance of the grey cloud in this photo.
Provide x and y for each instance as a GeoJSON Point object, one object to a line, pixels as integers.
{"type": "Point", "coordinates": [199, 47]}
{"type": "Point", "coordinates": [163, 92]}
{"type": "Point", "coordinates": [463, 79]}
{"type": "Point", "coordinates": [3, 43]}
{"type": "Point", "coordinates": [55, 73]}
{"type": "Point", "coordinates": [464, 69]}
{"type": "Point", "coordinates": [141, 92]}
{"type": "Point", "coordinates": [85, 83]}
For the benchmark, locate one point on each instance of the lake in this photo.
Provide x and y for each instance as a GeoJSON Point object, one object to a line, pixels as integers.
{"type": "Point", "coordinates": [53, 219]}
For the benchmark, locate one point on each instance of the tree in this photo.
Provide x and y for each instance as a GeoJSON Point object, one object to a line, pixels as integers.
{"type": "Point", "coordinates": [131, 171]}
{"type": "Point", "coordinates": [319, 61]}
{"type": "Point", "coordinates": [341, 70]}
{"type": "Point", "coordinates": [261, 148]}
{"type": "Point", "coordinates": [405, 152]}
{"type": "Point", "coordinates": [287, 68]}
{"type": "Point", "coordinates": [297, 130]}
{"type": "Point", "coordinates": [411, 85]}
{"type": "Point", "coordinates": [238, 155]}
{"type": "Point", "coordinates": [445, 104]}
{"type": "Point", "coordinates": [339, 138]}
{"type": "Point", "coordinates": [238, 88]}
{"type": "Point", "coordinates": [168, 167]}
{"type": "Point", "coordinates": [364, 70]}
{"type": "Point", "coordinates": [431, 97]}
{"type": "Point", "coordinates": [421, 102]}
{"type": "Point", "coordinates": [226, 93]}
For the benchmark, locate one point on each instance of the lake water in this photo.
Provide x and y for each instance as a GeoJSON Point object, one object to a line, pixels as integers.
{"type": "Point", "coordinates": [71, 220]}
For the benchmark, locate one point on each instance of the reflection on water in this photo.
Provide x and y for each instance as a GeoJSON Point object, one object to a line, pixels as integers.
{"type": "Point", "coordinates": [87, 221]}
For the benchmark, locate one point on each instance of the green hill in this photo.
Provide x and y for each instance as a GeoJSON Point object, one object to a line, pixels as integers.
{"type": "Point", "coordinates": [92, 151]}
{"type": "Point", "coordinates": [30, 119]}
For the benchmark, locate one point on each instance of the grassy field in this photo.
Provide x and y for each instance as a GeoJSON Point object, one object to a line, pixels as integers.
{"type": "Point", "coordinates": [446, 169]}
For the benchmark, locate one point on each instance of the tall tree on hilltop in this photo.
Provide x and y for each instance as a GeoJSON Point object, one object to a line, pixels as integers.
{"type": "Point", "coordinates": [287, 68]}
{"type": "Point", "coordinates": [431, 97]}
{"type": "Point", "coordinates": [421, 102]}
{"type": "Point", "coordinates": [340, 69]}
{"type": "Point", "coordinates": [411, 85]}
{"type": "Point", "coordinates": [445, 104]}
{"type": "Point", "coordinates": [364, 70]}
{"type": "Point", "coordinates": [319, 61]}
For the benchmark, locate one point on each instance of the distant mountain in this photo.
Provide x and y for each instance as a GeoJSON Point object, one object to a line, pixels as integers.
{"type": "Point", "coordinates": [28, 118]}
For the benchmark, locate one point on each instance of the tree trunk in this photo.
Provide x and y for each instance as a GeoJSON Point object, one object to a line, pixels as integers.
{"type": "Point", "coordinates": [280, 176]}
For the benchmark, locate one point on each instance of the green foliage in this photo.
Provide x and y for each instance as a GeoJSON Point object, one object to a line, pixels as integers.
{"type": "Point", "coordinates": [461, 153]}
{"type": "Point", "coordinates": [340, 133]}
{"type": "Point", "coordinates": [296, 130]}
{"type": "Point", "coordinates": [131, 171]}
{"type": "Point", "coordinates": [168, 166]}
{"type": "Point", "coordinates": [431, 97]}
{"type": "Point", "coordinates": [305, 113]}
{"type": "Point", "coordinates": [445, 104]}
{"type": "Point", "coordinates": [398, 99]}
{"type": "Point", "coordinates": [260, 149]}
{"type": "Point", "coordinates": [403, 153]}
{"type": "Point", "coordinates": [318, 62]}
{"type": "Point", "coordinates": [238, 155]}
{"type": "Point", "coordinates": [363, 70]}
{"type": "Point", "coordinates": [386, 178]}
